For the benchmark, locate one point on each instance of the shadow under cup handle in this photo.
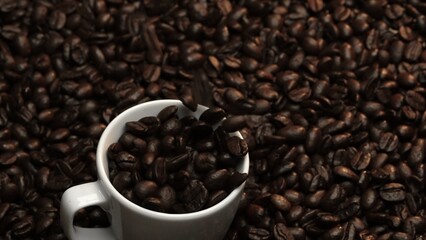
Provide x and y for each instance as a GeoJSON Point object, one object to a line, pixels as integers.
{"type": "Point", "coordinates": [76, 198]}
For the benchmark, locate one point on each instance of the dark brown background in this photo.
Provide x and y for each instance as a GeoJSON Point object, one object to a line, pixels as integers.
{"type": "Point", "coordinates": [330, 96]}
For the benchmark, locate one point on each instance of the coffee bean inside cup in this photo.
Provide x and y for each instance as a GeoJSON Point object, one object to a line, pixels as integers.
{"type": "Point", "coordinates": [169, 164]}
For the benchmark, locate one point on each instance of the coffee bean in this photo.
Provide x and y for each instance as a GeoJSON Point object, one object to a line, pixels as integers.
{"type": "Point", "coordinates": [236, 146]}
{"type": "Point", "coordinates": [415, 100]}
{"type": "Point", "coordinates": [173, 163]}
{"type": "Point", "coordinates": [345, 172]}
{"type": "Point", "coordinates": [216, 197]}
{"type": "Point", "coordinates": [213, 115]}
{"type": "Point", "coordinates": [316, 5]}
{"type": "Point", "coordinates": [207, 144]}
{"type": "Point", "coordinates": [59, 183]}
{"type": "Point", "coordinates": [282, 232]}
{"type": "Point", "coordinates": [137, 128]}
{"type": "Point", "coordinates": [159, 171]}
{"type": "Point", "coordinates": [7, 158]}
{"type": "Point", "coordinates": [392, 192]}
{"type": "Point", "coordinates": [153, 203]}
{"type": "Point", "coordinates": [194, 196]}
{"type": "Point", "coordinates": [332, 197]}
{"type": "Point", "coordinates": [388, 142]}
{"type": "Point", "coordinates": [293, 133]}
{"type": "Point", "coordinates": [57, 20]}
{"type": "Point", "coordinates": [251, 232]}
{"type": "Point", "coordinates": [280, 202]}
{"type": "Point", "coordinates": [416, 155]}
{"type": "Point", "coordinates": [204, 162]}
{"type": "Point", "coordinates": [406, 33]}
{"type": "Point", "coordinates": [167, 196]}
{"type": "Point", "coordinates": [171, 126]}
{"type": "Point", "coordinates": [167, 112]}
{"type": "Point", "coordinates": [361, 161]}
{"type": "Point", "coordinates": [216, 180]}
{"type": "Point", "coordinates": [234, 123]}
{"type": "Point", "coordinates": [369, 198]}
{"type": "Point", "coordinates": [412, 51]}
{"type": "Point", "coordinates": [121, 181]}
{"type": "Point", "coordinates": [236, 179]}
{"type": "Point", "coordinates": [299, 95]}
{"type": "Point", "coordinates": [145, 189]}
{"type": "Point", "coordinates": [125, 160]}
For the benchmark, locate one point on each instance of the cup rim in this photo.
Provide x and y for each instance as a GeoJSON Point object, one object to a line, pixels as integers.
{"type": "Point", "coordinates": [102, 168]}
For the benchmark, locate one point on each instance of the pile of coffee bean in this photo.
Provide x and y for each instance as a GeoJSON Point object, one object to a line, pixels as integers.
{"type": "Point", "coordinates": [329, 95]}
{"type": "Point", "coordinates": [177, 165]}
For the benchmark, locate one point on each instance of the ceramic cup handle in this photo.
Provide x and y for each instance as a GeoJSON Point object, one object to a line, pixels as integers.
{"type": "Point", "coordinates": [76, 198]}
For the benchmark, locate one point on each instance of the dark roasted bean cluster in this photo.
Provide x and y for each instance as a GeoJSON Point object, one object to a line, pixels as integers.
{"type": "Point", "coordinates": [330, 97]}
{"type": "Point", "coordinates": [177, 165]}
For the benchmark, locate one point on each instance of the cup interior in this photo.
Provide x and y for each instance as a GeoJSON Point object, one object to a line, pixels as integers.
{"type": "Point", "coordinates": [113, 132]}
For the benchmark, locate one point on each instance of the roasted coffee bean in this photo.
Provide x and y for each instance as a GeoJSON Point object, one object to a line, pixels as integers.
{"type": "Point", "coordinates": [194, 196]}
{"type": "Point", "coordinates": [412, 51]}
{"type": "Point", "coordinates": [416, 155]}
{"type": "Point", "coordinates": [392, 192]}
{"type": "Point", "coordinates": [299, 95]}
{"type": "Point", "coordinates": [152, 124]}
{"type": "Point", "coordinates": [280, 202]}
{"type": "Point", "coordinates": [167, 196]}
{"type": "Point", "coordinates": [216, 180]}
{"type": "Point", "coordinates": [125, 160]}
{"type": "Point", "coordinates": [167, 113]}
{"type": "Point", "coordinates": [234, 123]}
{"type": "Point", "coordinates": [171, 126]}
{"type": "Point", "coordinates": [332, 197]}
{"type": "Point", "coordinates": [207, 144]}
{"type": "Point", "coordinates": [236, 179]}
{"type": "Point", "coordinates": [187, 98]}
{"type": "Point", "coordinates": [316, 5]}
{"type": "Point", "coordinates": [153, 203]}
{"type": "Point", "coordinates": [145, 189]}
{"type": "Point", "coordinates": [345, 172]}
{"type": "Point", "coordinates": [122, 180]}
{"type": "Point", "coordinates": [406, 33]}
{"type": "Point", "coordinates": [59, 183]}
{"type": "Point", "coordinates": [251, 232]}
{"type": "Point", "coordinates": [213, 115]}
{"type": "Point", "coordinates": [281, 232]}
{"type": "Point", "coordinates": [388, 142]}
{"type": "Point", "coordinates": [204, 162]}
{"type": "Point", "coordinates": [360, 161]}
{"type": "Point", "coordinates": [313, 139]}
{"type": "Point", "coordinates": [159, 171]}
{"type": "Point", "coordinates": [216, 197]}
{"type": "Point", "coordinates": [293, 133]}
{"type": "Point", "coordinates": [7, 158]}
{"type": "Point", "coordinates": [174, 163]}
{"type": "Point", "coordinates": [255, 213]}
{"type": "Point", "coordinates": [169, 144]}
{"type": "Point", "coordinates": [236, 146]}
{"type": "Point", "coordinates": [369, 198]}
{"type": "Point", "coordinates": [413, 225]}
{"type": "Point", "coordinates": [415, 100]}
{"type": "Point", "coordinates": [137, 128]}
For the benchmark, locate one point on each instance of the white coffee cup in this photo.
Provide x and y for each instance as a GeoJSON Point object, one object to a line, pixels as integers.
{"type": "Point", "coordinates": [130, 221]}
